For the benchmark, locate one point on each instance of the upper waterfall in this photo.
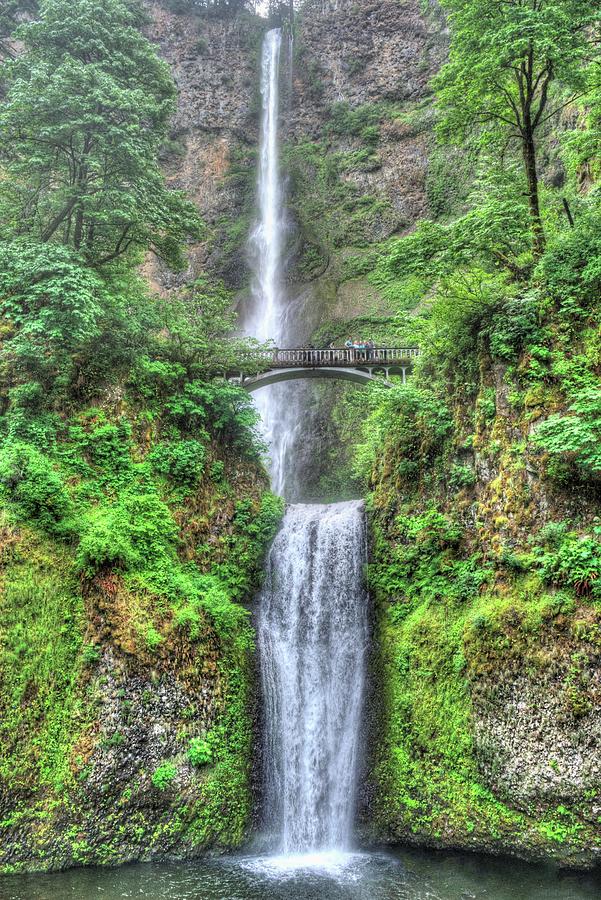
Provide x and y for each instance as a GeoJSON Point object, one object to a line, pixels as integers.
{"type": "Point", "coordinates": [266, 236]}
{"type": "Point", "coordinates": [267, 320]}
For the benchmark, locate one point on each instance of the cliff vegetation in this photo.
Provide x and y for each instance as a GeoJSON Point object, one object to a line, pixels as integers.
{"type": "Point", "coordinates": [135, 507]}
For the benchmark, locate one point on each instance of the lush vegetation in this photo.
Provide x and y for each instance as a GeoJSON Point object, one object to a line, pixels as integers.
{"type": "Point", "coordinates": [135, 509]}
{"type": "Point", "coordinates": [134, 503]}
{"type": "Point", "coordinates": [483, 471]}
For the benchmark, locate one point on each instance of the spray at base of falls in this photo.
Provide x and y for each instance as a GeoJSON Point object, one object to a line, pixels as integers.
{"type": "Point", "coordinates": [312, 634]}
{"type": "Point", "coordinates": [312, 621]}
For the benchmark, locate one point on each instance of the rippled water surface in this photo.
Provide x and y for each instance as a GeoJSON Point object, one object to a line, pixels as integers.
{"type": "Point", "coordinates": [407, 875]}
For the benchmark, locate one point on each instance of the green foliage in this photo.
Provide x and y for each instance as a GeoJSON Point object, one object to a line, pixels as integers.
{"type": "Point", "coordinates": [87, 108]}
{"type": "Point", "coordinates": [414, 421]}
{"type": "Point", "coordinates": [493, 234]}
{"type": "Point", "coordinates": [462, 477]}
{"type": "Point", "coordinates": [200, 752]}
{"type": "Point", "coordinates": [95, 443]}
{"type": "Point", "coordinates": [51, 305]}
{"type": "Point", "coordinates": [227, 409]}
{"type": "Point", "coordinates": [515, 326]}
{"type": "Point", "coordinates": [358, 121]}
{"type": "Point", "coordinates": [421, 563]}
{"type": "Point", "coordinates": [571, 267]}
{"type": "Point", "coordinates": [254, 530]}
{"type": "Point", "coordinates": [183, 462]}
{"type": "Point", "coordinates": [164, 775]}
{"type": "Point", "coordinates": [138, 529]}
{"type": "Point", "coordinates": [426, 770]}
{"type": "Point", "coordinates": [576, 437]}
{"type": "Point", "coordinates": [505, 59]}
{"type": "Point", "coordinates": [571, 560]}
{"type": "Point", "coordinates": [217, 8]}
{"type": "Point", "coordinates": [196, 327]}
{"type": "Point", "coordinates": [42, 623]}
{"type": "Point", "coordinates": [491, 45]}
{"type": "Point", "coordinates": [331, 212]}
{"type": "Point", "coordinates": [33, 489]}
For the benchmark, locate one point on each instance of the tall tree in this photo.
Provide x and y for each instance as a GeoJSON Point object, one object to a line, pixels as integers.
{"type": "Point", "coordinates": [86, 111]}
{"type": "Point", "coordinates": [513, 65]}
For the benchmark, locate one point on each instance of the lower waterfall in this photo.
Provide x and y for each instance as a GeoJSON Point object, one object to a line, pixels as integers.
{"type": "Point", "coordinates": [313, 634]}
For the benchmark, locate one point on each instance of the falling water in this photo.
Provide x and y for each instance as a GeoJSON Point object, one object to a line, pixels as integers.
{"type": "Point", "coordinates": [268, 319]}
{"type": "Point", "coordinates": [266, 238]}
{"type": "Point", "coordinates": [312, 632]}
{"type": "Point", "coordinates": [312, 620]}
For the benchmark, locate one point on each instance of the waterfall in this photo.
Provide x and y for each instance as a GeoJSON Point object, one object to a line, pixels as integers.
{"type": "Point", "coordinates": [266, 237]}
{"type": "Point", "coordinates": [268, 320]}
{"type": "Point", "coordinates": [312, 619]}
{"type": "Point", "coordinates": [312, 635]}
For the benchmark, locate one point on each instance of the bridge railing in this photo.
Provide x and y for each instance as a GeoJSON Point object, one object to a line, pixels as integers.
{"type": "Point", "coordinates": [302, 357]}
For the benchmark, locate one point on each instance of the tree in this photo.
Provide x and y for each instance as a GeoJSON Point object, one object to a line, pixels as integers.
{"type": "Point", "coordinates": [217, 8]}
{"type": "Point", "coordinates": [513, 65]}
{"type": "Point", "coordinates": [87, 109]}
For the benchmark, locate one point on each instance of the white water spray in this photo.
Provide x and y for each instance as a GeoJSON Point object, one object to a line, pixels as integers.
{"type": "Point", "coordinates": [313, 632]}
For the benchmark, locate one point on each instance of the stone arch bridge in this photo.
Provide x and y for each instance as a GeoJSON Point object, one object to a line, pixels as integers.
{"type": "Point", "coordinates": [358, 366]}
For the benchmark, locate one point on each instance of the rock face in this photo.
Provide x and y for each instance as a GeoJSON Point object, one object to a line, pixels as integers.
{"type": "Point", "coordinates": [371, 53]}
{"type": "Point", "coordinates": [539, 739]}
{"type": "Point", "coordinates": [377, 53]}
{"type": "Point", "coordinates": [215, 66]}
{"type": "Point", "coordinates": [368, 52]}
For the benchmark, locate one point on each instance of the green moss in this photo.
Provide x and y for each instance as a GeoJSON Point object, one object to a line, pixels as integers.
{"type": "Point", "coordinates": [42, 623]}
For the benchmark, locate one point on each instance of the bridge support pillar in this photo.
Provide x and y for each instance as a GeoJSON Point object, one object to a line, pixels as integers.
{"type": "Point", "coordinates": [404, 376]}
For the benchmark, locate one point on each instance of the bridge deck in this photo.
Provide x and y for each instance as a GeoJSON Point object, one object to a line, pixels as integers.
{"type": "Point", "coordinates": [337, 358]}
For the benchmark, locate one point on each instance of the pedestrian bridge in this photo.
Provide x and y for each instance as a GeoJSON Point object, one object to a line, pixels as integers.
{"type": "Point", "coordinates": [358, 366]}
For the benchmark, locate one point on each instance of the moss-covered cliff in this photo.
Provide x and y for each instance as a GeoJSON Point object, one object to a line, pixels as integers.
{"type": "Point", "coordinates": [486, 559]}
{"type": "Point", "coordinates": [127, 674]}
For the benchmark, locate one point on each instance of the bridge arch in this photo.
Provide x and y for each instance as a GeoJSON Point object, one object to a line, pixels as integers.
{"type": "Point", "coordinates": [357, 365]}
{"type": "Point", "coordinates": [277, 376]}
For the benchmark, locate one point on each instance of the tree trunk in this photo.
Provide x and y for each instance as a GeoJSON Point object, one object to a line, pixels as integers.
{"type": "Point", "coordinates": [78, 232]}
{"type": "Point", "coordinates": [57, 221]}
{"type": "Point", "coordinates": [538, 233]}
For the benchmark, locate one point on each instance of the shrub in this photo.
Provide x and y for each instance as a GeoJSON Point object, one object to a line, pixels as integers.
{"type": "Point", "coordinates": [152, 638]}
{"type": "Point", "coordinates": [515, 326]}
{"type": "Point", "coordinates": [138, 529]}
{"type": "Point", "coordinates": [106, 445]}
{"type": "Point", "coordinates": [576, 562]}
{"type": "Point", "coordinates": [164, 776]}
{"type": "Point", "coordinates": [575, 437]}
{"type": "Point", "coordinates": [462, 477]}
{"type": "Point", "coordinates": [571, 267]}
{"type": "Point", "coordinates": [414, 421]}
{"type": "Point", "coordinates": [199, 752]}
{"type": "Point", "coordinates": [182, 462]}
{"type": "Point", "coordinates": [35, 491]}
